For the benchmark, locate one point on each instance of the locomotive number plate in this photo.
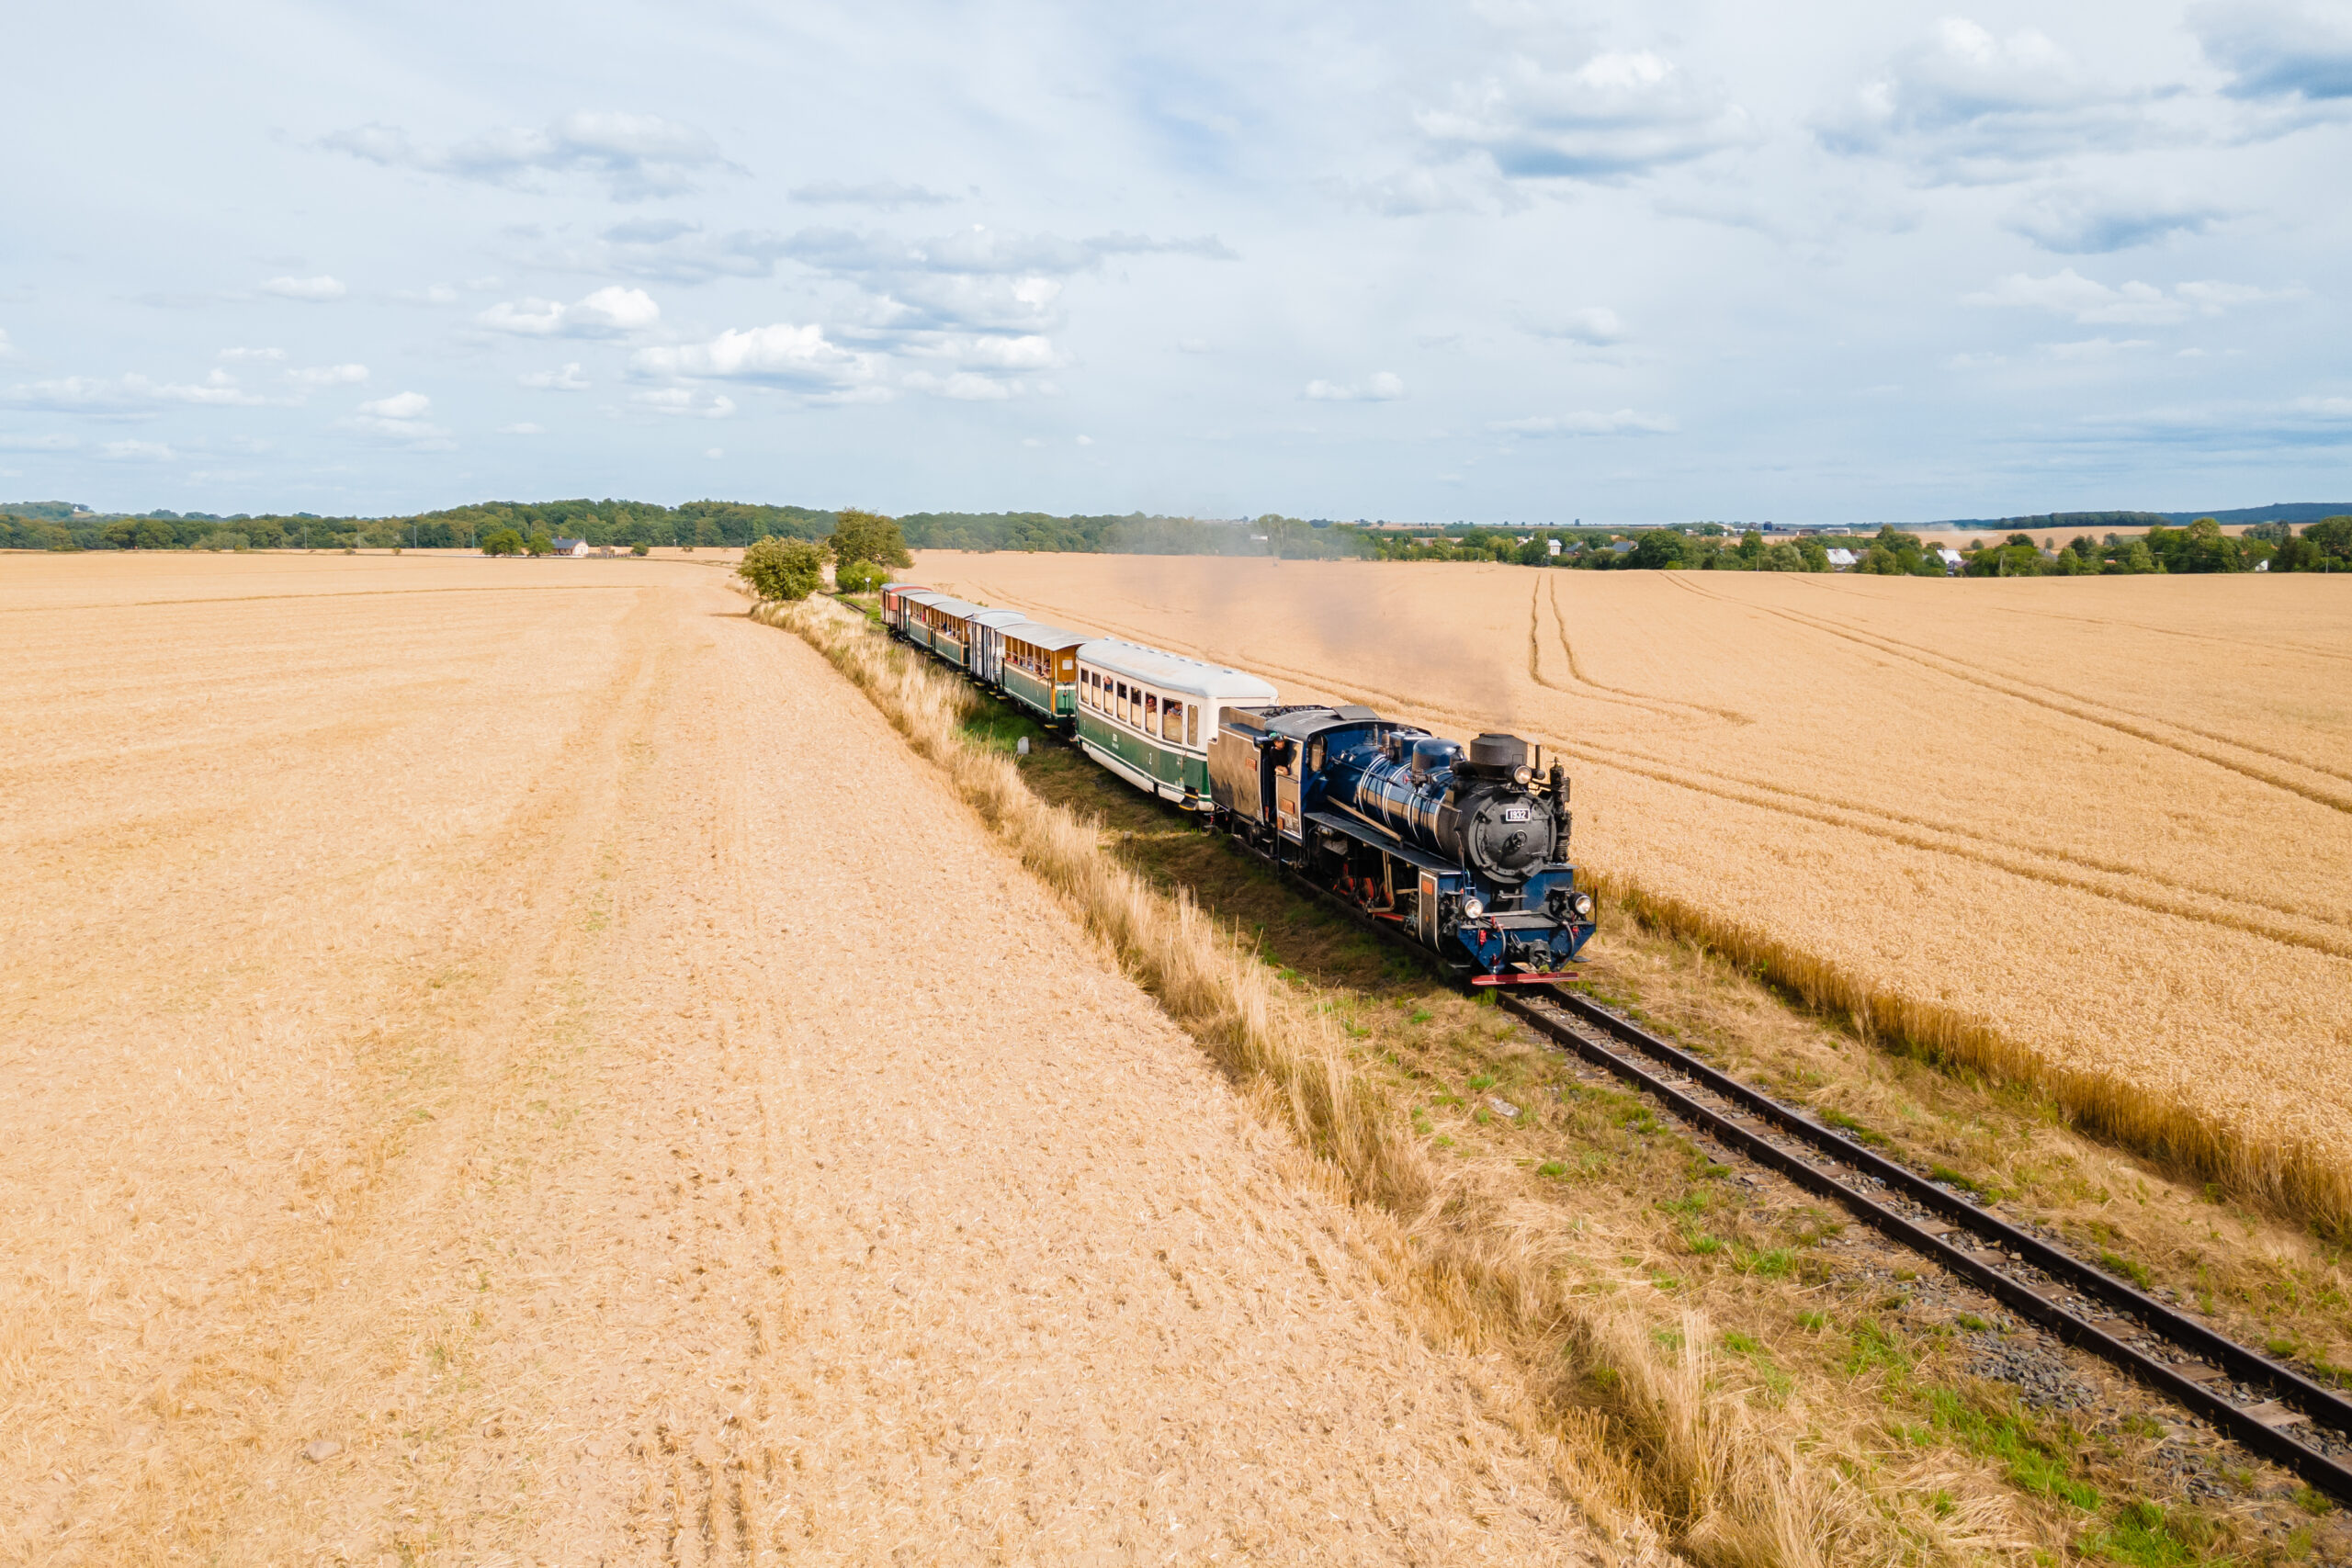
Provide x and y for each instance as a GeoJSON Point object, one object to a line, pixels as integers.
{"type": "Point", "coordinates": [1516, 813]}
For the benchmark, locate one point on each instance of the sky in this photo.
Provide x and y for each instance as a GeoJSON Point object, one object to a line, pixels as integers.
{"type": "Point", "coordinates": [1499, 261]}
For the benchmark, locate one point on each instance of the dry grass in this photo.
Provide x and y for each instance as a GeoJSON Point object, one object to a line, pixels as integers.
{"type": "Point", "coordinates": [1660, 1435]}
{"type": "Point", "coordinates": [2096, 838]}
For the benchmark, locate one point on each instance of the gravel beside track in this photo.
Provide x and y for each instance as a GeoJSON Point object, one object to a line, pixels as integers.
{"type": "Point", "coordinates": [540, 1073]}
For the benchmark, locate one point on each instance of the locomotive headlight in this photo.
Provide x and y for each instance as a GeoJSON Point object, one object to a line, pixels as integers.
{"type": "Point", "coordinates": [1521, 775]}
{"type": "Point", "coordinates": [1582, 904]}
{"type": "Point", "coordinates": [1472, 907]}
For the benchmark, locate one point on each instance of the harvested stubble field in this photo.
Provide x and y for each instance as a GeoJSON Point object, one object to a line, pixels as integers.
{"type": "Point", "coordinates": [462, 1100]}
{"type": "Point", "coordinates": [2096, 834]}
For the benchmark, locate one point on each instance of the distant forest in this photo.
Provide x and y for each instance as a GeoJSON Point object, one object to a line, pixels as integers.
{"type": "Point", "coordinates": [2104, 543]}
{"type": "Point", "coordinates": [61, 526]}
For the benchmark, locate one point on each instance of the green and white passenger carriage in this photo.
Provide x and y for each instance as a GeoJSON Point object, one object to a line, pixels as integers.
{"type": "Point", "coordinates": [1037, 668]}
{"type": "Point", "coordinates": [1150, 716]}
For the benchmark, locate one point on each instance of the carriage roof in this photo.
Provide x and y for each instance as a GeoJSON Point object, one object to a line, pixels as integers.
{"type": "Point", "coordinates": [1053, 639]}
{"type": "Point", "coordinates": [1173, 671]}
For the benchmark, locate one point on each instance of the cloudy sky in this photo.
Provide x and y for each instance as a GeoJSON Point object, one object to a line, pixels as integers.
{"type": "Point", "coordinates": [1503, 261]}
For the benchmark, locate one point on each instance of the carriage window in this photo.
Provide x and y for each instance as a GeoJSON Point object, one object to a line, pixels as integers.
{"type": "Point", "coordinates": [1171, 724]}
{"type": "Point", "coordinates": [1123, 698]}
{"type": "Point", "coordinates": [1150, 713]}
{"type": "Point", "coordinates": [1192, 725]}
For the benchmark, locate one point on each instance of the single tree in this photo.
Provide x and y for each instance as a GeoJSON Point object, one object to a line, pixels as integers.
{"type": "Point", "coordinates": [502, 542]}
{"type": "Point", "coordinates": [778, 568]}
{"type": "Point", "coordinates": [867, 535]}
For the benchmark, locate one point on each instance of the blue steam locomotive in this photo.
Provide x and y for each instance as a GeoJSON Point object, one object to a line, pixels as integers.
{"type": "Point", "coordinates": [1462, 849]}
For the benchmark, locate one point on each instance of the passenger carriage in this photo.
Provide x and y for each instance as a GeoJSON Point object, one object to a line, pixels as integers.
{"type": "Point", "coordinates": [910, 626]}
{"type": "Point", "coordinates": [1039, 670]}
{"type": "Point", "coordinates": [946, 625]}
{"type": "Point", "coordinates": [986, 663]}
{"type": "Point", "coordinates": [1150, 716]}
{"type": "Point", "coordinates": [894, 606]}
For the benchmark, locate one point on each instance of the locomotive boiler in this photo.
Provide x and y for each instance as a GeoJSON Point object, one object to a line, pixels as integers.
{"type": "Point", "coordinates": [1464, 848]}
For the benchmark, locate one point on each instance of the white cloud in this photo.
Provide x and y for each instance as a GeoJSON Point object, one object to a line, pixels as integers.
{"type": "Point", "coordinates": [399, 405]}
{"type": "Point", "coordinates": [964, 386]}
{"type": "Point", "coordinates": [270, 356]}
{"type": "Point", "coordinates": [1963, 104]}
{"type": "Point", "coordinates": [2092, 220]}
{"type": "Point", "coordinates": [1380, 387]}
{"type": "Point", "coordinates": [883, 193]}
{"type": "Point", "coordinates": [526, 428]}
{"type": "Point", "coordinates": [400, 418]}
{"type": "Point", "coordinates": [634, 155]}
{"type": "Point", "coordinates": [2274, 50]}
{"type": "Point", "coordinates": [435, 294]}
{"type": "Point", "coordinates": [568, 379]}
{"type": "Point", "coordinates": [319, 377]}
{"type": "Point", "coordinates": [714, 451]}
{"type": "Point", "coordinates": [128, 397]}
{"type": "Point", "coordinates": [1086, 441]}
{"type": "Point", "coordinates": [39, 443]}
{"type": "Point", "coordinates": [8, 349]}
{"type": "Point", "coordinates": [781, 354]}
{"type": "Point", "coordinates": [610, 312]}
{"type": "Point", "coordinates": [687, 402]}
{"type": "Point", "coordinates": [1617, 115]}
{"type": "Point", "coordinates": [2095, 348]}
{"type": "Point", "coordinates": [1595, 324]}
{"type": "Point", "coordinates": [311, 290]}
{"type": "Point", "coordinates": [137, 452]}
{"type": "Point", "coordinates": [2069, 293]}
{"type": "Point", "coordinates": [1192, 345]}
{"type": "Point", "coordinates": [1623, 421]}
{"type": "Point", "coordinates": [974, 352]}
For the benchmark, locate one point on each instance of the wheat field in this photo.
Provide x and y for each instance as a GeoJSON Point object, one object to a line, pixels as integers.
{"type": "Point", "coordinates": [2098, 832]}
{"type": "Point", "coordinates": [463, 1101]}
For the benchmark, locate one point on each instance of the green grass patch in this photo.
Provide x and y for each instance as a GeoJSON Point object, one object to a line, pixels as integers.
{"type": "Point", "coordinates": [1854, 1129]}
{"type": "Point", "coordinates": [2128, 1267]}
{"type": "Point", "coordinates": [2145, 1536]}
{"type": "Point", "coordinates": [2032, 1464]}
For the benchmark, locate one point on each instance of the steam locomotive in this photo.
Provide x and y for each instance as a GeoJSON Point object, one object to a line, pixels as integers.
{"type": "Point", "coordinates": [1462, 849]}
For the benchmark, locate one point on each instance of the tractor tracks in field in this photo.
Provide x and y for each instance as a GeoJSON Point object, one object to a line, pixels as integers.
{"type": "Point", "coordinates": [2082, 709]}
{"type": "Point", "coordinates": [2069, 869]}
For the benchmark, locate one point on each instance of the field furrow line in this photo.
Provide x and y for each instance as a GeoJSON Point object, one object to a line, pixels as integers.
{"type": "Point", "coordinates": [1933, 657]}
{"type": "Point", "coordinates": [2043, 699]}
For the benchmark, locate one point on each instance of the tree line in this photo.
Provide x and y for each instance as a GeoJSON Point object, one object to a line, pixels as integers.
{"type": "Point", "coordinates": [601, 523]}
{"type": "Point", "coordinates": [503, 527]}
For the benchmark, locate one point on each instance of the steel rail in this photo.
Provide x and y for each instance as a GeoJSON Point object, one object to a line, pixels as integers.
{"type": "Point", "coordinates": [2315, 1403]}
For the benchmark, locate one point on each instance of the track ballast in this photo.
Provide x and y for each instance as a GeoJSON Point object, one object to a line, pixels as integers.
{"type": "Point", "coordinates": [2083, 1306]}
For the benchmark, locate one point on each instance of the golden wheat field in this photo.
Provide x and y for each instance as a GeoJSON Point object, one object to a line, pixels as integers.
{"type": "Point", "coordinates": [2111, 818]}
{"type": "Point", "coordinates": [463, 1101]}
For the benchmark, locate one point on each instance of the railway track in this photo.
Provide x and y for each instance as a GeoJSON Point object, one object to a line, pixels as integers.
{"type": "Point", "coordinates": [2270, 1409]}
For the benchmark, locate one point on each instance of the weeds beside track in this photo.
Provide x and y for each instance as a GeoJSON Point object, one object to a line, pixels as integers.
{"type": "Point", "coordinates": [1648, 1443]}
